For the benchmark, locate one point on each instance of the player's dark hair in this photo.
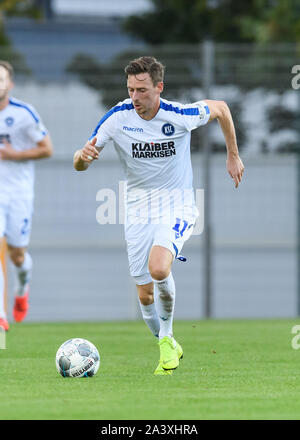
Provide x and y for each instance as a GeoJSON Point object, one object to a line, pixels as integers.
{"type": "Point", "coordinates": [146, 65]}
{"type": "Point", "coordinates": [8, 67]}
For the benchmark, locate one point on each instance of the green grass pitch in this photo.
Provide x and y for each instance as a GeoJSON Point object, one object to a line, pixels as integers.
{"type": "Point", "coordinates": [232, 369]}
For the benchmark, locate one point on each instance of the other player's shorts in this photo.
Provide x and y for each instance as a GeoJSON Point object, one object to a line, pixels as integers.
{"type": "Point", "coordinates": [141, 237]}
{"type": "Point", "coordinates": [15, 221]}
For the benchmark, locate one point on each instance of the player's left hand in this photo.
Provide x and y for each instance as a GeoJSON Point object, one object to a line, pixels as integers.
{"type": "Point", "coordinates": [235, 168]}
{"type": "Point", "coordinates": [8, 152]}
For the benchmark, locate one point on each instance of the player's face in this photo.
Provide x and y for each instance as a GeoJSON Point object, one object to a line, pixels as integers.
{"type": "Point", "coordinates": [145, 96]}
{"type": "Point", "coordinates": [5, 83]}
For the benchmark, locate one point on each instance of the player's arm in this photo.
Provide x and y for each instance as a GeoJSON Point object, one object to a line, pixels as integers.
{"type": "Point", "coordinates": [84, 157]}
{"type": "Point", "coordinates": [219, 110]}
{"type": "Point", "coordinates": [42, 150]}
{"type": "Point", "coordinates": [102, 134]}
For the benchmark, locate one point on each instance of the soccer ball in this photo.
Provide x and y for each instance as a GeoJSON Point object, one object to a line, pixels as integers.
{"type": "Point", "coordinates": [77, 358]}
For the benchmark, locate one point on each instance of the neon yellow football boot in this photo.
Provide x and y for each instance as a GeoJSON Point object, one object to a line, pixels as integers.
{"type": "Point", "coordinates": [166, 372]}
{"type": "Point", "coordinates": [168, 354]}
{"type": "Point", "coordinates": [161, 372]}
{"type": "Point", "coordinates": [178, 349]}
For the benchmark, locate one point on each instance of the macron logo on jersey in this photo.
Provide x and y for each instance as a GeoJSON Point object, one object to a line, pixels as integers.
{"type": "Point", "coordinates": [153, 149]}
{"type": "Point", "coordinates": [140, 130]}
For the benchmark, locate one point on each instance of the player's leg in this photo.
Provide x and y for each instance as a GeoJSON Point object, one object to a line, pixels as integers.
{"type": "Point", "coordinates": [22, 263]}
{"type": "Point", "coordinates": [3, 317]}
{"type": "Point", "coordinates": [160, 262]}
{"type": "Point", "coordinates": [139, 241]}
{"type": "Point", "coordinates": [146, 301]}
{"type": "Point", "coordinates": [148, 308]}
{"type": "Point", "coordinates": [139, 238]}
{"type": "Point", "coordinates": [168, 242]}
{"type": "Point", "coordinates": [18, 234]}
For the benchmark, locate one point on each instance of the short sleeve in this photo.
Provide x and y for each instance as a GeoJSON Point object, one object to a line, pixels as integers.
{"type": "Point", "coordinates": [34, 127]}
{"type": "Point", "coordinates": [105, 129]}
{"type": "Point", "coordinates": [196, 114]}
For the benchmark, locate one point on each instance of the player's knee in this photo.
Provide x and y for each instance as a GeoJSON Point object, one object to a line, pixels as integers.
{"type": "Point", "coordinates": [17, 257]}
{"type": "Point", "coordinates": [159, 273]}
{"type": "Point", "coordinates": [160, 262]}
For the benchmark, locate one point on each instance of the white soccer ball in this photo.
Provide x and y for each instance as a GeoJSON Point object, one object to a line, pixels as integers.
{"type": "Point", "coordinates": [77, 358]}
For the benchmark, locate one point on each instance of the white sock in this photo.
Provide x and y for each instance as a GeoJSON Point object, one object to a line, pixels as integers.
{"type": "Point", "coordinates": [164, 298]}
{"type": "Point", "coordinates": [23, 275]}
{"type": "Point", "coordinates": [150, 317]}
{"type": "Point", "coordinates": [2, 311]}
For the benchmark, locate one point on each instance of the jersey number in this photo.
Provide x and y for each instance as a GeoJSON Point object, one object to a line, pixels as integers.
{"type": "Point", "coordinates": [178, 232]}
{"type": "Point", "coordinates": [25, 228]}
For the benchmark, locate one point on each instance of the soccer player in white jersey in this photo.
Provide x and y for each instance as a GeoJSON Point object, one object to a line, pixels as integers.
{"type": "Point", "coordinates": [152, 138]}
{"type": "Point", "coordinates": [23, 139]}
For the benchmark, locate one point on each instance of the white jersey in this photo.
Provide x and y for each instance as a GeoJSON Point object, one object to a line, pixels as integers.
{"type": "Point", "coordinates": [21, 126]}
{"type": "Point", "coordinates": [156, 157]}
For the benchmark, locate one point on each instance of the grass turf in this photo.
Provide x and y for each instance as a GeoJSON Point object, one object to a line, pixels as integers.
{"type": "Point", "coordinates": [230, 370]}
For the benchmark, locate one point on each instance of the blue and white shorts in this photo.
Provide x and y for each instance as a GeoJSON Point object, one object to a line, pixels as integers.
{"type": "Point", "coordinates": [15, 220]}
{"type": "Point", "coordinates": [141, 237]}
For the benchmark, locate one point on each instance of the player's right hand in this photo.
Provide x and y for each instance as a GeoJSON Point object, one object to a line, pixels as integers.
{"type": "Point", "coordinates": [89, 152]}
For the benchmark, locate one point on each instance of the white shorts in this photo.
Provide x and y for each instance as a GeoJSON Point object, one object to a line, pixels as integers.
{"type": "Point", "coordinates": [15, 221]}
{"type": "Point", "coordinates": [141, 237]}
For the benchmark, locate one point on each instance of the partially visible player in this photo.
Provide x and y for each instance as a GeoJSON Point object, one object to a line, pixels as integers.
{"type": "Point", "coordinates": [152, 138]}
{"type": "Point", "coordinates": [23, 139]}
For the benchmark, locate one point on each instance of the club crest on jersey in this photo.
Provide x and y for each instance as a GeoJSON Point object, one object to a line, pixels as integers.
{"type": "Point", "coordinates": [168, 129]}
{"type": "Point", "coordinates": [9, 121]}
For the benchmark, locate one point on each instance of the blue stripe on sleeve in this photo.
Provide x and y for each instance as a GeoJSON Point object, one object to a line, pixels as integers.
{"type": "Point", "coordinates": [17, 104]}
{"type": "Point", "coordinates": [117, 108]}
{"type": "Point", "coordinates": [190, 111]}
